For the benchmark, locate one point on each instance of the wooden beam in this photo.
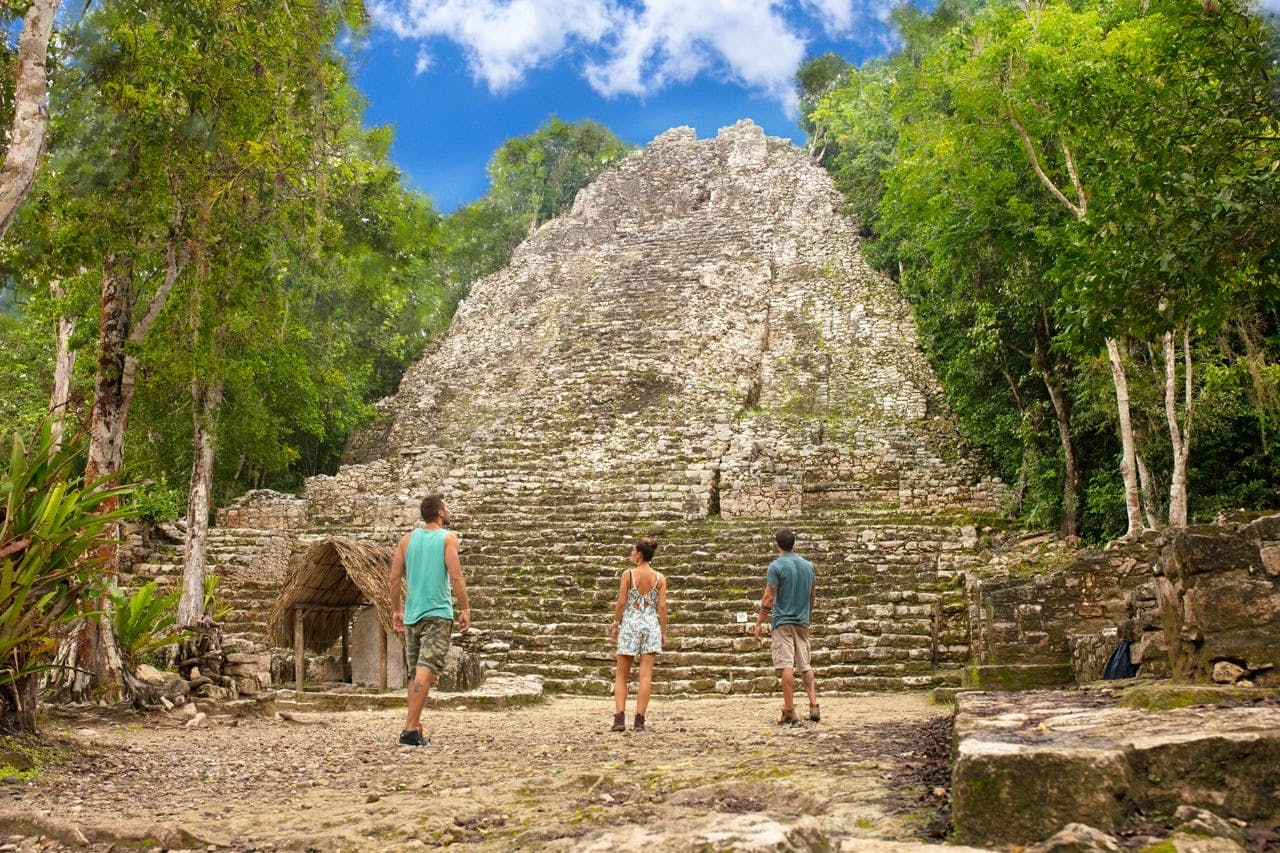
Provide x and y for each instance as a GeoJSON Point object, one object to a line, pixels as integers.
{"type": "Point", "coordinates": [320, 607]}
{"type": "Point", "coordinates": [346, 647]}
{"type": "Point", "coordinates": [298, 640]}
{"type": "Point", "coordinates": [382, 656]}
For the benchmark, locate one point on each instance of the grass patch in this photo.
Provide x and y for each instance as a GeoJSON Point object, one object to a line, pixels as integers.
{"type": "Point", "coordinates": [23, 756]}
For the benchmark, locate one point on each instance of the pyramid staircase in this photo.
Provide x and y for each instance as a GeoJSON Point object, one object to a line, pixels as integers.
{"type": "Point", "coordinates": [890, 609]}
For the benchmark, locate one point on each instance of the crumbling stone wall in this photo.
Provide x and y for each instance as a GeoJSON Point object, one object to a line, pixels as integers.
{"type": "Point", "coordinates": [1217, 589]}
{"type": "Point", "coordinates": [264, 509]}
{"type": "Point", "coordinates": [1201, 603]}
{"type": "Point", "coordinates": [1044, 613]}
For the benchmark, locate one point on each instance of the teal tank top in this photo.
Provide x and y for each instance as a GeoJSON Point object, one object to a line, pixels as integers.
{"type": "Point", "coordinates": [428, 590]}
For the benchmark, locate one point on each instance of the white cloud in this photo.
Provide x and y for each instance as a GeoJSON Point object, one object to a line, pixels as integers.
{"type": "Point", "coordinates": [422, 64]}
{"type": "Point", "coordinates": [671, 41]}
{"type": "Point", "coordinates": [627, 48]}
{"type": "Point", "coordinates": [836, 15]}
{"type": "Point", "coordinates": [503, 39]}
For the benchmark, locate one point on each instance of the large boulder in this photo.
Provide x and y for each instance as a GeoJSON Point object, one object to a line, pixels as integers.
{"type": "Point", "coordinates": [1218, 589]}
{"type": "Point", "coordinates": [1028, 764]}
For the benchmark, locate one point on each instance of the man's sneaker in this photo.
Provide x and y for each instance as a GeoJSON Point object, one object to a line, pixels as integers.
{"type": "Point", "coordinates": [412, 737]}
{"type": "Point", "coordinates": [815, 714]}
{"type": "Point", "coordinates": [789, 717]}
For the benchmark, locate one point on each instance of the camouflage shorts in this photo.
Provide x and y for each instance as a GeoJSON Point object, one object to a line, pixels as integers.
{"type": "Point", "coordinates": [426, 643]}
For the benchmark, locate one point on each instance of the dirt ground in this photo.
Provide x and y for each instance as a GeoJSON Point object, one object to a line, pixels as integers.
{"type": "Point", "coordinates": [545, 776]}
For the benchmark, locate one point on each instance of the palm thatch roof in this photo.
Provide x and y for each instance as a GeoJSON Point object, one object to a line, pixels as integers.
{"type": "Point", "coordinates": [333, 577]}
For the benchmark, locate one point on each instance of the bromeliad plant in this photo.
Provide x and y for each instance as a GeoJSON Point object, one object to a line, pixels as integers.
{"type": "Point", "coordinates": [51, 524]}
{"type": "Point", "coordinates": [144, 621]}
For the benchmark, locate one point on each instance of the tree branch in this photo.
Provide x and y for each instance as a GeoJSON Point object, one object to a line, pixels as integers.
{"type": "Point", "coordinates": [1082, 202]}
{"type": "Point", "coordinates": [174, 263]}
{"type": "Point", "coordinates": [1039, 170]}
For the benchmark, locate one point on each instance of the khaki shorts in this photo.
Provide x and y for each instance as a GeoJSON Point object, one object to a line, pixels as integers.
{"type": "Point", "coordinates": [790, 647]}
{"type": "Point", "coordinates": [426, 643]}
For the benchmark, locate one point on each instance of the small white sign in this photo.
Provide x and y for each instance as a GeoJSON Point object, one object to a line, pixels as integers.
{"type": "Point", "coordinates": [742, 618]}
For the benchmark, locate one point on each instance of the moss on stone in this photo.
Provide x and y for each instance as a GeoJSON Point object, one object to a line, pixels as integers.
{"type": "Point", "coordinates": [1018, 676]}
{"type": "Point", "coordinates": [22, 757]}
{"type": "Point", "coordinates": [1166, 846]}
{"type": "Point", "coordinates": [1167, 696]}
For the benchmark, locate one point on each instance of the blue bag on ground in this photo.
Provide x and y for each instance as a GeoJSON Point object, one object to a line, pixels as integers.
{"type": "Point", "coordinates": [1120, 666]}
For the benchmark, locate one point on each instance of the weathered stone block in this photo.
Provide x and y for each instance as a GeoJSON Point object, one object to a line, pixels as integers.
{"type": "Point", "coordinates": [462, 671]}
{"type": "Point", "coordinates": [1017, 793]}
{"type": "Point", "coordinates": [1029, 763]}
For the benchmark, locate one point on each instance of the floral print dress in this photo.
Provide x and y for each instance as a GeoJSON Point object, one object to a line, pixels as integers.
{"type": "Point", "coordinates": [641, 632]}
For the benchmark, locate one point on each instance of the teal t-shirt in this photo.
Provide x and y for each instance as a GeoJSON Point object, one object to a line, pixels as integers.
{"type": "Point", "coordinates": [793, 575]}
{"type": "Point", "coordinates": [428, 590]}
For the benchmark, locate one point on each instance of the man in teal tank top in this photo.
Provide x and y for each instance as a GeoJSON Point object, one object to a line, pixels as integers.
{"type": "Point", "coordinates": [787, 603]}
{"type": "Point", "coordinates": [427, 568]}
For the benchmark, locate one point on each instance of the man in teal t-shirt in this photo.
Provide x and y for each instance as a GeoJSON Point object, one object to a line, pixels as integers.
{"type": "Point", "coordinates": [787, 602]}
{"type": "Point", "coordinates": [426, 564]}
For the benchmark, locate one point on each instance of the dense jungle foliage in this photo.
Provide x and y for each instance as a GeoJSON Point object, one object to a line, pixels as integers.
{"type": "Point", "coordinates": [1081, 200]}
{"type": "Point", "coordinates": [223, 145]}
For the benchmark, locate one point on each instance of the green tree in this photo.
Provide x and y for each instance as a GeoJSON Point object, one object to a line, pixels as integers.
{"type": "Point", "coordinates": [1050, 178]}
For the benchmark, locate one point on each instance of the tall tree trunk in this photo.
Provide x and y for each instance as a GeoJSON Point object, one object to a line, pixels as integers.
{"type": "Point", "coordinates": [1128, 458]}
{"type": "Point", "coordinates": [89, 657]}
{"type": "Point", "coordinates": [1179, 438]}
{"type": "Point", "coordinates": [64, 364]}
{"type": "Point", "coordinates": [113, 378]}
{"type": "Point", "coordinates": [208, 405]}
{"type": "Point", "coordinates": [30, 110]}
{"type": "Point", "coordinates": [1067, 527]}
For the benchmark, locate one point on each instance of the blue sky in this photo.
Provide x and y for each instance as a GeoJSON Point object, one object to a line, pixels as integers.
{"type": "Point", "coordinates": [457, 78]}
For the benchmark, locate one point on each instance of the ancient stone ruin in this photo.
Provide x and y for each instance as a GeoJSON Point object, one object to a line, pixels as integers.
{"type": "Point", "coordinates": [697, 351]}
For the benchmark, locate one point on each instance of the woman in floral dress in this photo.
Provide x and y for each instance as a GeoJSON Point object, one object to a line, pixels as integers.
{"type": "Point", "coordinates": [639, 629]}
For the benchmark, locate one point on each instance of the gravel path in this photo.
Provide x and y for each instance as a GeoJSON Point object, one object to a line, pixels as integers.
{"type": "Point", "coordinates": [544, 776]}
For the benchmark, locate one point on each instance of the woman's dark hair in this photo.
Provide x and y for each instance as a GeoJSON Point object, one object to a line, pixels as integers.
{"type": "Point", "coordinates": [785, 538]}
{"type": "Point", "coordinates": [431, 506]}
{"type": "Point", "coordinates": [647, 548]}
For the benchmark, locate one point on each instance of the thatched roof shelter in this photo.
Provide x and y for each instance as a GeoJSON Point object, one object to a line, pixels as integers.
{"type": "Point", "coordinates": [333, 578]}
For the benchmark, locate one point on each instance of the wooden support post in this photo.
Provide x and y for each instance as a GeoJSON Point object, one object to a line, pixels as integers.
{"type": "Point", "coordinates": [298, 640]}
{"type": "Point", "coordinates": [346, 646]}
{"type": "Point", "coordinates": [382, 656]}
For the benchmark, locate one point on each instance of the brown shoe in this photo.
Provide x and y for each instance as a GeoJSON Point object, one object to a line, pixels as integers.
{"type": "Point", "coordinates": [638, 726]}
{"type": "Point", "coordinates": [815, 715]}
{"type": "Point", "coordinates": [789, 717]}
{"type": "Point", "coordinates": [619, 722]}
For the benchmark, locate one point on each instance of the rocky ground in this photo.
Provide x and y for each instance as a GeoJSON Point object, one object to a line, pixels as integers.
{"type": "Point", "coordinates": [547, 776]}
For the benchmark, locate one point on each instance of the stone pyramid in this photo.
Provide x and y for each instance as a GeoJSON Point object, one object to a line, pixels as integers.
{"type": "Point", "coordinates": [699, 336]}
{"type": "Point", "coordinates": [697, 350]}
